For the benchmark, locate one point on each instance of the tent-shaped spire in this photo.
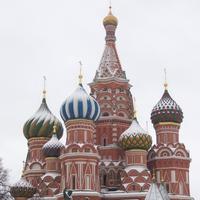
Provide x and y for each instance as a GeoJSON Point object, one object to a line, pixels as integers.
{"type": "Point", "coordinates": [164, 192]}
{"type": "Point", "coordinates": [110, 66]}
{"type": "Point", "coordinates": [154, 193]}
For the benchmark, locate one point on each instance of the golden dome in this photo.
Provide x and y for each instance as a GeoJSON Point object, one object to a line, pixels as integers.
{"type": "Point", "coordinates": [110, 19]}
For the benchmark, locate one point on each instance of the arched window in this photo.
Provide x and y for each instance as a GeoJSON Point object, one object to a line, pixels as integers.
{"type": "Point", "coordinates": [105, 114]}
{"type": "Point", "coordinates": [104, 179]}
{"type": "Point", "coordinates": [121, 114]}
{"type": "Point", "coordinates": [73, 182]}
{"type": "Point", "coordinates": [104, 142]}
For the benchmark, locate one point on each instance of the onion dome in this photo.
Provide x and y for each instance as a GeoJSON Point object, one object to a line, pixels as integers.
{"type": "Point", "coordinates": [135, 137]}
{"type": "Point", "coordinates": [41, 123]}
{"type": "Point", "coordinates": [22, 189]}
{"type": "Point", "coordinates": [166, 110]}
{"type": "Point", "coordinates": [53, 146]}
{"type": "Point", "coordinates": [110, 19]}
{"type": "Point", "coordinates": [80, 105]}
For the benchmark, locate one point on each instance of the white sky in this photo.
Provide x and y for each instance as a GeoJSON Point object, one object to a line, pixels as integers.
{"type": "Point", "coordinates": [46, 37]}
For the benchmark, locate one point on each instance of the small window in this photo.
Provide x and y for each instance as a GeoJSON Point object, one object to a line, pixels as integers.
{"type": "Point", "coordinates": [104, 142]}
{"type": "Point", "coordinates": [105, 114]}
{"type": "Point", "coordinates": [87, 149]}
{"type": "Point", "coordinates": [74, 150]}
{"type": "Point", "coordinates": [104, 179]}
{"type": "Point", "coordinates": [73, 182]}
{"type": "Point", "coordinates": [121, 114]}
{"type": "Point", "coordinates": [105, 89]}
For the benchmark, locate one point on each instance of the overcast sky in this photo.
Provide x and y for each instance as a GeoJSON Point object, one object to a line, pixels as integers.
{"type": "Point", "coordinates": [46, 37]}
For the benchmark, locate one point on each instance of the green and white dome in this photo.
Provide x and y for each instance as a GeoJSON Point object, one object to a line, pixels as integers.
{"type": "Point", "coordinates": [41, 123]}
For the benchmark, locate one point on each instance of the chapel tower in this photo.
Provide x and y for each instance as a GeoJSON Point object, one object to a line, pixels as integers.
{"type": "Point", "coordinates": [111, 89]}
{"type": "Point", "coordinates": [80, 157]}
{"type": "Point", "coordinates": [38, 130]}
{"type": "Point", "coordinates": [168, 157]}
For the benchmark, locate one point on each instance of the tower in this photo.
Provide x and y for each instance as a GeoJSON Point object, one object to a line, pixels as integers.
{"type": "Point", "coordinates": [168, 156]}
{"type": "Point", "coordinates": [38, 130]}
{"type": "Point", "coordinates": [50, 181]}
{"type": "Point", "coordinates": [111, 89]}
{"type": "Point", "coordinates": [80, 158]}
{"type": "Point", "coordinates": [136, 142]}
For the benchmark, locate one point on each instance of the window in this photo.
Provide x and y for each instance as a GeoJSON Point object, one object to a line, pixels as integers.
{"type": "Point", "coordinates": [105, 114]}
{"type": "Point", "coordinates": [105, 89]}
{"type": "Point", "coordinates": [104, 179]}
{"type": "Point", "coordinates": [87, 149]}
{"type": "Point", "coordinates": [104, 142]}
{"type": "Point", "coordinates": [73, 182]}
{"type": "Point", "coordinates": [121, 114]}
{"type": "Point", "coordinates": [74, 150]}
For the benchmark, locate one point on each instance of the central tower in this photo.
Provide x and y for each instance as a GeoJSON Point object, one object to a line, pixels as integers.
{"type": "Point", "coordinates": [111, 89]}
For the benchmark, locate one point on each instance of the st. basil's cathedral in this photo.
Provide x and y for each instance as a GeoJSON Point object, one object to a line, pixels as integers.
{"type": "Point", "coordinates": [107, 154]}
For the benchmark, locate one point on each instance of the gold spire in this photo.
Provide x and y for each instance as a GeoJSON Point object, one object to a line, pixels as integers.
{"type": "Point", "coordinates": [154, 176]}
{"type": "Point", "coordinates": [23, 169]}
{"type": "Point", "coordinates": [162, 178]}
{"type": "Point", "coordinates": [165, 83]}
{"type": "Point", "coordinates": [44, 87]}
{"type": "Point", "coordinates": [80, 73]}
{"type": "Point", "coordinates": [134, 108]}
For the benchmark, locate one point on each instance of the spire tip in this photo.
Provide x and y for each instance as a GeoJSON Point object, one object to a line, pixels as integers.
{"type": "Point", "coordinates": [165, 83]}
{"type": "Point", "coordinates": [80, 73]}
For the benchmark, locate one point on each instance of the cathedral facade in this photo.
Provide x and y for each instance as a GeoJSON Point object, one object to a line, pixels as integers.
{"type": "Point", "coordinates": [107, 154]}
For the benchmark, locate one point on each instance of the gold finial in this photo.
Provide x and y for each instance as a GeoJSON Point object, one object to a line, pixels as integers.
{"type": "Point", "coordinates": [54, 129]}
{"type": "Point", "coordinates": [110, 7]}
{"type": "Point", "coordinates": [44, 87]}
{"type": "Point", "coordinates": [80, 74]}
{"type": "Point", "coordinates": [165, 83]}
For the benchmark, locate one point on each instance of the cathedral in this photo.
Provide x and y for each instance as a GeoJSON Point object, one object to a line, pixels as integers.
{"type": "Point", "coordinates": [107, 155]}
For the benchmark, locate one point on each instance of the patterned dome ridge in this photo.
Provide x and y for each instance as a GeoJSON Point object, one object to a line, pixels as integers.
{"type": "Point", "coordinates": [135, 137]}
{"type": "Point", "coordinates": [166, 110]}
{"type": "Point", "coordinates": [22, 189]}
{"type": "Point", "coordinates": [52, 147]}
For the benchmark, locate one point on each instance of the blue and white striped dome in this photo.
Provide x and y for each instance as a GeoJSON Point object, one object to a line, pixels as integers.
{"type": "Point", "coordinates": [80, 105]}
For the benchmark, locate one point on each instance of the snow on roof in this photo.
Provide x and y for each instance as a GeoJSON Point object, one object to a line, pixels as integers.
{"type": "Point", "coordinates": [154, 193]}
{"type": "Point", "coordinates": [164, 192]}
{"type": "Point", "coordinates": [138, 168]}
